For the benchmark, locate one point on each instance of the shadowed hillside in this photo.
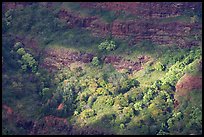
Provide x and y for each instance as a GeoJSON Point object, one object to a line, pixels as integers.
{"type": "Point", "coordinates": [98, 68]}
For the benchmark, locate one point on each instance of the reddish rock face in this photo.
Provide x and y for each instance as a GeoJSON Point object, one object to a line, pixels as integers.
{"type": "Point", "coordinates": [50, 125]}
{"type": "Point", "coordinates": [143, 29]}
{"type": "Point", "coordinates": [60, 58]}
{"type": "Point", "coordinates": [185, 85]}
{"type": "Point", "coordinates": [159, 33]}
{"type": "Point", "coordinates": [52, 120]}
{"type": "Point", "coordinates": [60, 107]}
{"type": "Point", "coordinates": [188, 83]}
{"type": "Point", "coordinates": [146, 9]}
{"type": "Point", "coordinates": [9, 110]}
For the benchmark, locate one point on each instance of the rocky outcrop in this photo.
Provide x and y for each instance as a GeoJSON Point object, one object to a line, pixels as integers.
{"type": "Point", "coordinates": [10, 117]}
{"type": "Point", "coordinates": [47, 125]}
{"type": "Point", "coordinates": [148, 27]}
{"type": "Point", "coordinates": [51, 125]}
{"type": "Point", "coordinates": [188, 83]}
{"type": "Point", "coordinates": [185, 85]}
{"type": "Point", "coordinates": [146, 9]}
{"type": "Point", "coordinates": [119, 63]}
{"type": "Point", "coordinates": [159, 33]}
{"type": "Point", "coordinates": [55, 59]}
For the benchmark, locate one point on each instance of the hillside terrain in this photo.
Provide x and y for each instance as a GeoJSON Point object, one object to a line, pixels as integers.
{"type": "Point", "coordinates": [101, 68]}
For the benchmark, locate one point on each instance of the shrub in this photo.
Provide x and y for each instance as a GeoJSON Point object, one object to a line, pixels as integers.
{"type": "Point", "coordinates": [148, 70]}
{"type": "Point", "coordinates": [122, 126]}
{"type": "Point", "coordinates": [121, 119]}
{"type": "Point", "coordinates": [166, 86]}
{"type": "Point", "coordinates": [84, 96]}
{"type": "Point", "coordinates": [107, 46]}
{"type": "Point", "coordinates": [18, 45]}
{"type": "Point", "coordinates": [28, 62]}
{"type": "Point", "coordinates": [134, 82]}
{"type": "Point", "coordinates": [135, 94]}
{"type": "Point", "coordinates": [121, 100]}
{"type": "Point", "coordinates": [101, 91]}
{"type": "Point", "coordinates": [138, 106]}
{"type": "Point", "coordinates": [91, 100]}
{"type": "Point", "coordinates": [103, 102]}
{"type": "Point", "coordinates": [87, 113]}
{"type": "Point", "coordinates": [128, 112]}
{"type": "Point", "coordinates": [21, 51]}
{"type": "Point", "coordinates": [95, 61]}
{"type": "Point", "coordinates": [159, 66]}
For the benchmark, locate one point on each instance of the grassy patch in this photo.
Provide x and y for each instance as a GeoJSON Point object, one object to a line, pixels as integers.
{"type": "Point", "coordinates": [182, 18]}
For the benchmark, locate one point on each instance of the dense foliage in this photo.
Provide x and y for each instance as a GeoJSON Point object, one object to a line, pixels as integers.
{"type": "Point", "coordinates": [96, 94]}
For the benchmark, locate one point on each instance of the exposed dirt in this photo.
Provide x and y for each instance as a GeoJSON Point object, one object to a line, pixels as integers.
{"type": "Point", "coordinates": [120, 63]}
{"type": "Point", "coordinates": [56, 59]}
{"type": "Point", "coordinates": [60, 107]}
{"type": "Point", "coordinates": [30, 44]}
{"type": "Point", "coordinates": [11, 117]}
{"type": "Point", "coordinates": [9, 110]}
{"type": "Point", "coordinates": [188, 83]}
{"type": "Point", "coordinates": [48, 125]}
{"type": "Point", "coordinates": [185, 85]}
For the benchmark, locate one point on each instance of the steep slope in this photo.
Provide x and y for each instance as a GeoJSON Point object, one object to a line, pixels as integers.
{"type": "Point", "coordinates": [101, 68]}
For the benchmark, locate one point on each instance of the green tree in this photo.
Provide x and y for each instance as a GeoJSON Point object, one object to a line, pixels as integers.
{"type": "Point", "coordinates": [18, 45]}
{"type": "Point", "coordinates": [103, 103]}
{"type": "Point", "coordinates": [21, 51]}
{"type": "Point", "coordinates": [87, 113]}
{"type": "Point", "coordinates": [95, 61]}
{"type": "Point", "coordinates": [91, 100]}
{"type": "Point", "coordinates": [121, 100]}
{"type": "Point", "coordinates": [159, 66]}
{"type": "Point", "coordinates": [107, 46]}
{"type": "Point", "coordinates": [28, 62]}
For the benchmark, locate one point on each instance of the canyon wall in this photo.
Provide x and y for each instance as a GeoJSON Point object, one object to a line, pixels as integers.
{"type": "Point", "coordinates": [147, 9]}
{"type": "Point", "coordinates": [148, 27]}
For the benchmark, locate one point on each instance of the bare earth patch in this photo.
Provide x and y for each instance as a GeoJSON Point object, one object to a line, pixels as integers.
{"type": "Point", "coordinates": [185, 85]}
{"type": "Point", "coordinates": [56, 59]}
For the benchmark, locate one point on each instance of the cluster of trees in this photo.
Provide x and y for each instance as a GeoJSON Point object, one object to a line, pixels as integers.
{"type": "Point", "coordinates": [95, 61]}
{"type": "Point", "coordinates": [107, 45]}
{"type": "Point", "coordinates": [179, 68]}
{"type": "Point", "coordinates": [27, 61]}
{"type": "Point", "coordinates": [94, 94]}
{"type": "Point", "coordinates": [39, 22]}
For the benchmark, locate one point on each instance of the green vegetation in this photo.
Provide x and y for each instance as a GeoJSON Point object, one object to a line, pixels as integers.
{"type": "Point", "coordinates": [107, 46]}
{"type": "Point", "coordinates": [95, 61]}
{"type": "Point", "coordinates": [93, 94]}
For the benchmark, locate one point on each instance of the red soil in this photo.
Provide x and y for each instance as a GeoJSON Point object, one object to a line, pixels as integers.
{"type": "Point", "coordinates": [185, 85]}
{"type": "Point", "coordinates": [60, 107]}
{"type": "Point", "coordinates": [188, 83]}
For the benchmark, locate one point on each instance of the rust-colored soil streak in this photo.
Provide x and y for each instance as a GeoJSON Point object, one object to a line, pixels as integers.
{"type": "Point", "coordinates": [188, 83]}
{"type": "Point", "coordinates": [185, 85]}
{"type": "Point", "coordinates": [56, 59]}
